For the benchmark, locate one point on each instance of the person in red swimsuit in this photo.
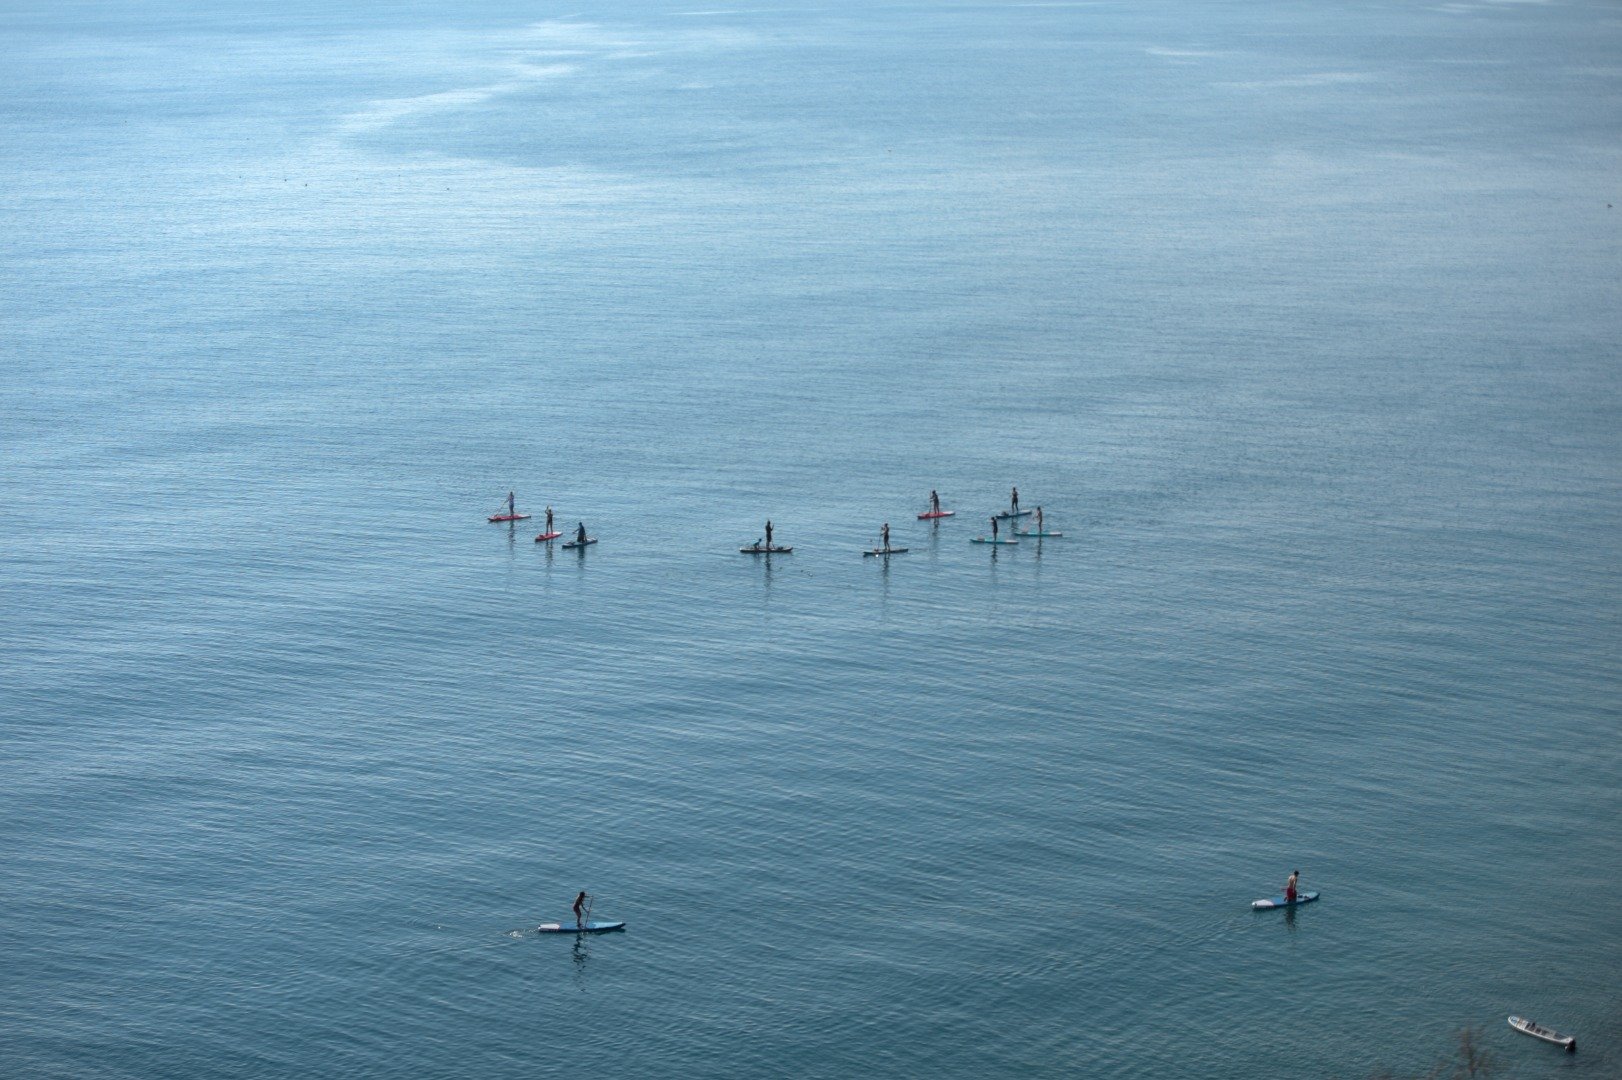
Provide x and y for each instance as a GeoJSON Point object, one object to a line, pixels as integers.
{"type": "Point", "coordinates": [1289, 887]}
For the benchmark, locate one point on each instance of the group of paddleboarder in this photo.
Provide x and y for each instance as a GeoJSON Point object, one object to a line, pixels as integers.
{"type": "Point", "coordinates": [582, 902]}
{"type": "Point", "coordinates": [768, 545]}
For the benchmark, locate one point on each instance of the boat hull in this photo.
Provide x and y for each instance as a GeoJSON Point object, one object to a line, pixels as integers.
{"type": "Point", "coordinates": [1548, 1035]}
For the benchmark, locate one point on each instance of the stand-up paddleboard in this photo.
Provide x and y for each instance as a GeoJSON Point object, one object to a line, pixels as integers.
{"type": "Point", "coordinates": [1006, 514]}
{"type": "Point", "coordinates": [512, 513]}
{"type": "Point", "coordinates": [572, 928]}
{"type": "Point", "coordinates": [762, 549]}
{"type": "Point", "coordinates": [989, 540]}
{"type": "Point", "coordinates": [541, 539]}
{"type": "Point", "coordinates": [1279, 901]}
{"type": "Point", "coordinates": [1549, 1035]}
{"type": "Point", "coordinates": [931, 515]}
{"type": "Point", "coordinates": [578, 544]}
{"type": "Point", "coordinates": [1036, 535]}
{"type": "Point", "coordinates": [886, 551]}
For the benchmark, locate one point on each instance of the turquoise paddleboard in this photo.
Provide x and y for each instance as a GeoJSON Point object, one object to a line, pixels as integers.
{"type": "Point", "coordinates": [571, 928]}
{"type": "Point", "coordinates": [1278, 901]}
{"type": "Point", "coordinates": [989, 540]}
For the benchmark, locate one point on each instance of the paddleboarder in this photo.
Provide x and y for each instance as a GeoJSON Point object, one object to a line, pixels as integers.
{"type": "Point", "coordinates": [885, 533]}
{"type": "Point", "coordinates": [934, 502]}
{"type": "Point", "coordinates": [1039, 529]}
{"type": "Point", "coordinates": [993, 530]}
{"type": "Point", "coordinates": [580, 538]}
{"type": "Point", "coordinates": [1289, 887]}
{"type": "Point", "coordinates": [579, 910]}
{"type": "Point", "coordinates": [768, 535]}
{"type": "Point", "coordinates": [1015, 503]}
{"type": "Point", "coordinates": [549, 520]}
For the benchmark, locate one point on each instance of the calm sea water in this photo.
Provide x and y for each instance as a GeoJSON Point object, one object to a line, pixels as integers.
{"type": "Point", "coordinates": [1300, 320]}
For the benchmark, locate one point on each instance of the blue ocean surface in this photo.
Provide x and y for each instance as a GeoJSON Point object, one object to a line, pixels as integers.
{"type": "Point", "coordinates": [1299, 320]}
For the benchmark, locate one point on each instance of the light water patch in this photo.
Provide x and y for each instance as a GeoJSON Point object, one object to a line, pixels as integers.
{"type": "Point", "coordinates": [1315, 79]}
{"type": "Point", "coordinates": [1180, 54]}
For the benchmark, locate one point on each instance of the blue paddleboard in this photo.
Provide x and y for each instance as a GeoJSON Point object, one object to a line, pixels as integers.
{"type": "Point", "coordinates": [1278, 901]}
{"type": "Point", "coordinates": [571, 928]}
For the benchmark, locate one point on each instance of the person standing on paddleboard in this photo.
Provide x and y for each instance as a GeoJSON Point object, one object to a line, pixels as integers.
{"type": "Point", "coordinates": [1289, 887]}
{"type": "Point", "coordinates": [768, 536]}
{"type": "Point", "coordinates": [934, 503]}
{"type": "Point", "coordinates": [885, 533]}
{"type": "Point", "coordinates": [993, 530]}
{"type": "Point", "coordinates": [580, 538]}
{"type": "Point", "coordinates": [548, 519]}
{"type": "Point", "coordinates": [579, 910]}
{"type": "Point", "coordinates": [1015, 505]}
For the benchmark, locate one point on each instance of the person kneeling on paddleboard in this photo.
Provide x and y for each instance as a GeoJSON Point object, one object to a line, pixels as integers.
{"type": "Point", "coordinates": [579, 909]}
{"type": "Point", "coordinates": [1289, 887]}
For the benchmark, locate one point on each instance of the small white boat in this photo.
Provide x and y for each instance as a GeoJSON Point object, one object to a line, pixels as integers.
{"type": "Point", "coordinates": [1538, 1031]}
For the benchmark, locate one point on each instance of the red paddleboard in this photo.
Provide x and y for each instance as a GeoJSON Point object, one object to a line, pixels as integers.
{"type": "Point", "coordinates": [928, 514]}
{"type": "Point", "coordinates": [547, 536]}
{"type": "Point", "coordinates": [509, 517]}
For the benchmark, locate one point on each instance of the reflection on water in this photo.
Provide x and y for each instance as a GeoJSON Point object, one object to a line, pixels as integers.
{"type": "Point", "coordinates": [580, 955]}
